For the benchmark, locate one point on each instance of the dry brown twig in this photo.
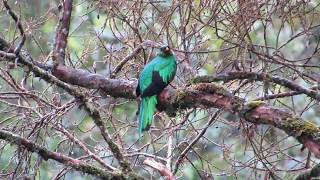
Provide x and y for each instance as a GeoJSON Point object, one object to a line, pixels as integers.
{"type": "Point", "coordinates": [163, 170]}
{"type": "Point", "coordinates": [19, 25]}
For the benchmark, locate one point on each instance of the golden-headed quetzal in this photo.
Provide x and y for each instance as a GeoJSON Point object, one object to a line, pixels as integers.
{"type": "Point", "coordinates": [155, 76]}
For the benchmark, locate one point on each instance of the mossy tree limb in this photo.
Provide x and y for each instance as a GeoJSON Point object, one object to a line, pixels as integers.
{"type": "Point", "coordinates": [202, 95]}
{"type": "Point", "coordinates": [305, 132]}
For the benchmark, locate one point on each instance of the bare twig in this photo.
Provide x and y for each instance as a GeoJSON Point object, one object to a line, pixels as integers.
{"type": "Point", "coordinates": [83, 146]}
{"type": "Point", "coordinates": [135, 52]}
{"type": "Point", "coordinates": [163, 170]}
{"type": "Point", "coordinates": [194, 141]}
{"type": "Point", "coordinates": [259, 77]}
{"type": "Point", "coordinates": [170, 148]}
{"type": "Point", "coordinates": [46, 154]}
{"type": "Point", "coordinates": [88, 106]}
{"type": "Point", "coordinates": [22, 34]}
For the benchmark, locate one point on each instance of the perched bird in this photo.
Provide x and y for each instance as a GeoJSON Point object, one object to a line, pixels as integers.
{"type": "Point", "coordinates": [155, 76]}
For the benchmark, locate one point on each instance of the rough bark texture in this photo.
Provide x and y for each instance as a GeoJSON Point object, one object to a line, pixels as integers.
{"type": "Point", "coordinates": [74, 163]}
{"type": "Point", "coordinates": [203, 95]}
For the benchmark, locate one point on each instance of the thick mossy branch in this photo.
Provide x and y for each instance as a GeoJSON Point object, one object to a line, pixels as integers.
{"type": "Point", "coordinates": [212, 88]}
{"type": "Point", "coordinates": [260, 112]}
{"type": "Point", "coordinates": [305, 132]}
{"type": "Point", "coordinates": [204, 95]}
{"type": "Point", "coordinates": [254, 104]}
{"type": "Point", "coordinates": [297, 127]}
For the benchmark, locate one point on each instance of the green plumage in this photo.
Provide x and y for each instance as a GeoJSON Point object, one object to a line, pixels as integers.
{"type": "Point", "coordinates": [155, 76]}
{"type": "Point", "coordinates": [146, 112]}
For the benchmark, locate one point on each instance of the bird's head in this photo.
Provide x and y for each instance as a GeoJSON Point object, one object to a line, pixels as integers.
{"type": "Point", "coordinates": [165, 50]}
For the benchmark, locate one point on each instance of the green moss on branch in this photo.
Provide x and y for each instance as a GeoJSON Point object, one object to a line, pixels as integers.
{"type": "Point", "coordinates": [297, 127]}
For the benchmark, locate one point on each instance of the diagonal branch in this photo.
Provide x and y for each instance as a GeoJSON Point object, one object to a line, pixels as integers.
{"type": "Point", "coordinates": [62, 33]}
{"type": "Point", "coordinates": [163, 170]}
{"type": "Point", "coordinates": [83, 147]}
{"type": "Point", "coordinates": [63, 159]}
{"type": "Point", "coordinates": [82, 97]}
{"type": "Point", "coordinates": [194, 141]}
{"type": "Point", "coordinates": [19, 25]}
{"type": "Point", "coordinates": [115, 149]}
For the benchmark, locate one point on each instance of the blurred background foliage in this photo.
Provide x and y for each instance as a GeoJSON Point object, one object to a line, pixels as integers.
{"type": "Point", "coordinates": [280, 38]}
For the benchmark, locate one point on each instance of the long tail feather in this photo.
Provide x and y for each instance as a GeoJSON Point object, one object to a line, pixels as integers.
{"type": "Point", "coordinates": [147, 108]}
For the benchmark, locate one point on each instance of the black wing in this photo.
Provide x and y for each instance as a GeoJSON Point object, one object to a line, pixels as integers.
{"type": "Point", "coordinates": [138, 90]}
{"type": "Point", "coordinates": [155, 87]}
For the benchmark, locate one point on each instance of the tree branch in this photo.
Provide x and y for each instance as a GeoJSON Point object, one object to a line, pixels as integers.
{"type": "Point", "coordinates": [310, 174]}
{"type": "Point", "coordinates": [115, 149]}
{"type": "Point", "coordinates": [68, 161]}
{"type": "Point", "coordinates": [203, 95]}
{"type": "Point", "coordinates": [82, 97]}
{"type": "Point", "coordinates": [62, 33]}
{"type": "Point", "coordinates": [135, 52]}
{"type": "Point", "coordinates": [115, 88]}
{"type": "Point", "coordinates": [228, 76]}
{"type": "Point", "coordinates": [194, 141]}
{"type": "Point", "coordinates": [19, 25]}
{"type": "Point", "coordinates": [81, 144]}
{"type": "Point", "coordinates": [163, 170]}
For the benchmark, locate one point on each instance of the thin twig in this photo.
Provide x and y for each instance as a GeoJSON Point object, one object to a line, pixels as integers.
{"type": "Point", "coordinates": [169, 154]}
{"type": "Point", "coordinates": [19, 25]}
{"type": "Point", "coordinates": [163, 170]}
{"type": "Point", "coordinates": [81, 144]}
{"type": "Point", "coordinates": [135, 52]}
{"type": "Point", "coordinates": [194, 141]}
{"type": "Point", "coordinates": [46, 154]}
{"type": "Point", "coordinates": [254, 76]}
